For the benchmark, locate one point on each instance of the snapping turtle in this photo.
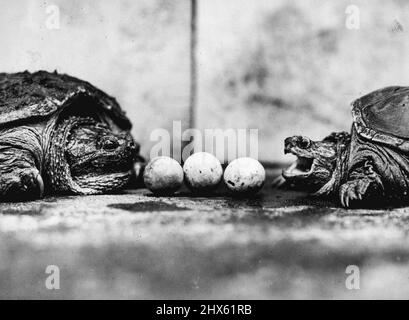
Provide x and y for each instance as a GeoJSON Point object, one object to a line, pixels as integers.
{"type": "Point", "coordinates": [369, 164]}
{"type": "Point", "coordinates": [61, 135]}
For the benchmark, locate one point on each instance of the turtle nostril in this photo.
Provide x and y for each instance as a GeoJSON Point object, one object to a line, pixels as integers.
{"type": "Point", "coordinates": [132, 145]}
{"type": "Point", "coordinates": [288, 144]}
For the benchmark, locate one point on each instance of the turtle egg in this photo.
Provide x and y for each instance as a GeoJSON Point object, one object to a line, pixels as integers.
{"type": "Point", "coordinates": [203, 172]}
{"type": "Point", "coordinates": [163, 175]}
{"type": "Point", "coordinates": [244, 176]}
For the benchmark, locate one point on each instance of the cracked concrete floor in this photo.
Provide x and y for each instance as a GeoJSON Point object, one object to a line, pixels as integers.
{"type": "Point", "coordinates": [281, 244]}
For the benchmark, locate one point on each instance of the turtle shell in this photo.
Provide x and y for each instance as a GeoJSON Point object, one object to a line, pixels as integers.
{"type": "Point", "coordinates": [383, 116]}
{"type": "Point", "coordinates": [27, 96]}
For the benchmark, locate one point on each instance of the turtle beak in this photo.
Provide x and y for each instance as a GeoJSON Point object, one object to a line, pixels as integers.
{"type": "Point", "coordinates": [288, 144]}
{"type": "Point", "coordinates": [40, 184]}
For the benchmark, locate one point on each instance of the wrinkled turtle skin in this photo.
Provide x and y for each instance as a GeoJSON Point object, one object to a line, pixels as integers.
{"type": "Point", "coordinates": [61, 135]}
{"type": "Point", "coordinates": [368, 166]}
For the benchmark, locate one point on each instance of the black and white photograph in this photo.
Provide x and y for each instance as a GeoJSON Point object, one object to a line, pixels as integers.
{"type": "Point", "coordinates": [184, 151]}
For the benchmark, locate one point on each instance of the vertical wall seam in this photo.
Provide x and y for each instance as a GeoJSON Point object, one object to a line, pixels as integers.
{"type": "Point", "coordinates": [193, 65]}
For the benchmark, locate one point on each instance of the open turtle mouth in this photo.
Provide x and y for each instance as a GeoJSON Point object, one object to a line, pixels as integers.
{"type": "Point", "coordinates": [301, 168]}
{"type": "Point", "coordinates": [111, 176]}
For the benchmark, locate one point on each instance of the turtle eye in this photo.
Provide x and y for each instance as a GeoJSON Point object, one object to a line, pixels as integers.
{"type": "Point", "coordinates": [304, 143]}
{"type": "Point", "coordinates": [110, 144]}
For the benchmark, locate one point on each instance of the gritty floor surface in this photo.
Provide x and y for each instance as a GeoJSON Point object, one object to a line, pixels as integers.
{"type": "Point", "coordinates": [281, 244]}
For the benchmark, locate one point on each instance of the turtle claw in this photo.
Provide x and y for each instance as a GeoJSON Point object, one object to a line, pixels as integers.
{"type": "Point", "coordinates": [353, 190]}
{"type": "Point", "coordinates": [25, 184]}
{"type": "Point", "coordinates": [31, 185]}
{"type": "Point", "coordinates": [40, 185]}
{"type": "Point", "coordinates": [326, 189]}
{"type": "Point", "coordinates": [278, 181]}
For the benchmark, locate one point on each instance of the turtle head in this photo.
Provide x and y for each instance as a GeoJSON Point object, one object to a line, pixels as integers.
{"type": "Point", "coordinates": [93, 150]}
{"type": "Point", "coordinates": [316, 160]}
{"type": "Point", "coordinates": [89, 157]}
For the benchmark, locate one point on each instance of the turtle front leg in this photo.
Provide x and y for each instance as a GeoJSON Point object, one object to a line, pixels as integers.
{"type": "Point", "coordinates": [20, 177]}
{"type": "Point", "coordinates": [362, 182]}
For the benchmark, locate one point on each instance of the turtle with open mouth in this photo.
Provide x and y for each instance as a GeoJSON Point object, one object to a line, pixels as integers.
{"type": "Point", "coordinates": [61, 135]}
{"type": "Point", "coordinates": [370, 163]}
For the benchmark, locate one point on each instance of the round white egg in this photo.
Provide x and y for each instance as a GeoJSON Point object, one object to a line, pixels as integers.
{"type": "Point", "coordinates": [203, 172]}
{"type": "Point", "coordinates": [163, 175]}
{"type": "Point", "coordinates": [244, 175]}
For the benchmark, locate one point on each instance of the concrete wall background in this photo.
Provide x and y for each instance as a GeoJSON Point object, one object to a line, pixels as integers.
{"type": "Point", "coordinates": [137, 51]}
{"type": "Point", "coordinates": [291, 67]}
{"type": "Point", "coordinates": [284, 67]}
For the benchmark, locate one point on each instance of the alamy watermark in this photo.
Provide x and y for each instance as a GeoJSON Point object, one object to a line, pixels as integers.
{"type": "Point", "coordinates": [225, 144]}
{"type": "Point", "coordinates": [52, 21]}
{"type": "Point", "coordinates": [353, 17]}
{"type": "Point", "coordinates": [353, 281]}
{"type": "Point", "coordinates": [52, 282]}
